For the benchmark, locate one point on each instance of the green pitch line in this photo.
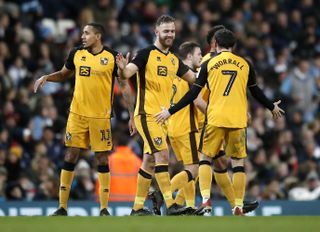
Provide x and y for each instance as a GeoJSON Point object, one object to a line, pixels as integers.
{"type": "Point", "coordinates": [159, 224]}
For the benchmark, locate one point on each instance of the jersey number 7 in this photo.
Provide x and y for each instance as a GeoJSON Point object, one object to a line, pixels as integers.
{"type": "Point", "coordinates": [233, 75]}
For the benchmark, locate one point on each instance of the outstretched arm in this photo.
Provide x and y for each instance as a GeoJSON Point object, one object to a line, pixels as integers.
{"type": "Point", "coordinates": [257, 93]}
{"type": "Point", "coordinates": [58, 76]}
{"type": "Point", "coordinates": [189, 76]}
{"type": "Point", "coordinates": [187, 98]}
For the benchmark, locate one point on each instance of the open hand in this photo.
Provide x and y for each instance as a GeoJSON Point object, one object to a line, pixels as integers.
{"type": "Point", "coordinates": [40, 82]}
{"type": "Point", "coordinates": [121, 61]}
{"type": "Point", "coordinates": [277, 111]}
{"type": "Point", "coordinates": [162, 116]}
{"type": "Point", "coordinates": [132, 127]}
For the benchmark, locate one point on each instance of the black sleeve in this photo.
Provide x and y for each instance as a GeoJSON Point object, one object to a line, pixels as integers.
{"type": "Point", "coordinates": [252, 75]}
{"type": "Point", "coordinates": [69, 62]}
{"type": "Point", "coordinates": [186, 99]}
{"type": "Point", "coordinates": [202, 76]}
{"type": "Point", "coordinates": [193, 92]}
{"type": "Point", "coordinates": [255, 91]}
{"type": "Point", "coordinates": [182, 69]}
{"type": "Point", "coordinates": [141, 58]}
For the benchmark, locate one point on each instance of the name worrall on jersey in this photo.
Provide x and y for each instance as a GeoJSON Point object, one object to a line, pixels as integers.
{"type": "Point", "coordinates": [222, 62]}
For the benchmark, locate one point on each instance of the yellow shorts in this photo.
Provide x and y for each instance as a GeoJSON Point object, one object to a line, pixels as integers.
{"type": "Point", "coordinates": [212, 139]}
{"type": "Point", "coordinates": [185, 147]}
{"type": "Point", "coordinates": [154, 135]}
{"type": "Point", "coordinates": [83, 131]}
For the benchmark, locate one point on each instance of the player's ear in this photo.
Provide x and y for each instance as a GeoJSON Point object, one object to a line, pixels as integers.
{"type": "Point", "coordinates": [98, 36]}
{"type": "Point", "coordinates": [156, 31]}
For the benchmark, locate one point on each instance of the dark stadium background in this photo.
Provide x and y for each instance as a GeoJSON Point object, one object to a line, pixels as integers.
{"type": "Point", "coordinates": [282, 38]}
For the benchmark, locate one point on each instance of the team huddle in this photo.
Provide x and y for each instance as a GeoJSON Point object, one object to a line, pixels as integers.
{"type": "Point", "coordinates": [199, 103]}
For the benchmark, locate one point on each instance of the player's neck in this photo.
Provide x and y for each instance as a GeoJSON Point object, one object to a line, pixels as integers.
{"type": "Point", "coordinates": [223, 50]}
{"type": "Point", "coordinates": [160, 47]}
{"type": "Point", "coordinates": [188, 63]}
{"type": "Point", "coordinates": [96, 49]}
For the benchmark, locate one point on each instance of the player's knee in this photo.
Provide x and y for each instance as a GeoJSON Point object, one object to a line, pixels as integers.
{"type": "Point", "coordinates": [193, 169]}
{"type": "Point", "coordinates": [71, 158]}
{"type": "Point", "coordinates": [237, 162]}
{"type": "Point", "coordinates": [72, 155]}
{"type": "Point", "coordinates": [148, 163]}
{"type": "Point", "coordinates": [220, 164]}
{"type": "Point", "coordinates": [161, 157]}
{"type": "Point", "coordinates": [102, 158]}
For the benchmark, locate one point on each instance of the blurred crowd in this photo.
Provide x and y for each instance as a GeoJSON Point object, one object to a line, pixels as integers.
{"type": "Point", "coordinates": [281, 37]}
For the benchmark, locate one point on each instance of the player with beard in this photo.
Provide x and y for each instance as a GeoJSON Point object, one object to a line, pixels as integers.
{"type": "Point", "coordinates": [156, 67]}
{"type": "Point", "coordinates": [95, 69]}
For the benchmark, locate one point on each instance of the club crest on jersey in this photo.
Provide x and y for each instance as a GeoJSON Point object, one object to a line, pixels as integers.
{"type": "Point", "coordinates": [83, 58]}
{"type": "Point", "coordinates": [104, 61]}
{"type": "Point", "coordinates": [172, 61]}
{"type": "Point", "coordinates": [158, 58]}
{"type": "Point", "coordinates": [158, 141]}
{"type": "Point", "coordinates": [68, 136]}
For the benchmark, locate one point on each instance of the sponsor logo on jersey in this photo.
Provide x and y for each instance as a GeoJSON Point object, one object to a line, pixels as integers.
{"type": "Point", "coordinates": [162, 71]}
{"type": "Point", "coordinates": [84, 71]}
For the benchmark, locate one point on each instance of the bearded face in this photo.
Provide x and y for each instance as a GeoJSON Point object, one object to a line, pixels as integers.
{"type": "Point", "coordinates": [166, 34]}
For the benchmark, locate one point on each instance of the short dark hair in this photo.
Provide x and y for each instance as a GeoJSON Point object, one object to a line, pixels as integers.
{"type": "Point", "coordinates": [212, 31]}
{"type": "Point", "coordinates": [99, 29]}
{"type": "Point", "coordinates": [225, 38]}
{"type": "Point", "coordinates": [164, 19]}
{"type": "Point", "coordinates": [187, 48]}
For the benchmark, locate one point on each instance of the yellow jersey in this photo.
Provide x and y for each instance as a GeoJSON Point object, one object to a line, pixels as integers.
{"type": "Point", "coordinates": [154, 79]}
{"type": "Point", "coordinates": [227, 77]}
{"type": "Point", "coordinates": [94, 81]}
{"type": "Point", "coordinates": [184, 121]}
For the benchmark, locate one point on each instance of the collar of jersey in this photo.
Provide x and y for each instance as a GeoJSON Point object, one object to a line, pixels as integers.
{"type": "Point", "coordinates": [103, 48]}
{"type": "Point", "coordinates": [221, 52]}
{"type": "Point", "coordinates": [161, 51]}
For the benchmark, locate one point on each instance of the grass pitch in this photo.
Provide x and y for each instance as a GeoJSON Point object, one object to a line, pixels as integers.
{"type": "Point", "coordinates": [160, 224]}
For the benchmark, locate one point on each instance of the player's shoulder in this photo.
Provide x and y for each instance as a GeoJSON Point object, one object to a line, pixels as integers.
{"type": "Point", "coordinates": [110, 50]}
{"type": "Point", "coordinates": [144, 52]}
{"type": "Point", "coordinates": [147, 49]}
{"type": "Point", "coordinates": [207, 57]}
{"type": "Point", "coordinates": [77, 48]}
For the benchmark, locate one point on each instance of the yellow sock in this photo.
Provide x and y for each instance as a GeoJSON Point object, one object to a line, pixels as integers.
{"type": "Point", "coordinates": [104, 188]}
{"type": "Point", "coordinates": [180, 197]}
{"type": "Point", "coordinates": [143, 184]}
{"type": "Point", "coordinates": [190, 193]}
{"type": "Point", "coordinates": [205, 179]}
{"type": "Point", "coordinates": [66, 178]}
{"type": "Point", "coordinates": [163, 180]}
{"type": "Point", "coordinates": [239, 185]}
{"type": "Point", "coordinates": [180, 180]}
{"type": "Point", "coordinates": [224, 182]}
